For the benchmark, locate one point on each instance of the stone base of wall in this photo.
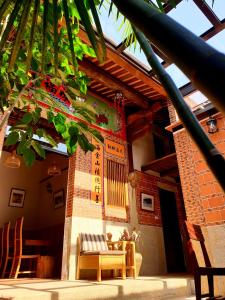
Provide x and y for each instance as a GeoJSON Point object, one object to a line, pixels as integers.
{"type": "Point", "coordinates": [216, 244]}
{"type": "Point", "coordinates": [151, 246]}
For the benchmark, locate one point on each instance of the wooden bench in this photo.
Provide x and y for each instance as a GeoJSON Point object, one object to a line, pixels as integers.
{"type": "Point", "coordinates": [93, 253]}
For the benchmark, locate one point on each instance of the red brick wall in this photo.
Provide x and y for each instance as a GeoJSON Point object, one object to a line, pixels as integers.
{"type": "Point", "coordinates": [79, 201]}
{"type": "Point", "coordinates": [204, 199]}
{"type": "Point", "coordinates": [150, 184]}
{"type": "Point", "coordinates": [172, 112]}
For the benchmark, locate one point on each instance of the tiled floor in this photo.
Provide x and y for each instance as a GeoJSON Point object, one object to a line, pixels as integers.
{"type": "Point", "coordinates": [142, 288]}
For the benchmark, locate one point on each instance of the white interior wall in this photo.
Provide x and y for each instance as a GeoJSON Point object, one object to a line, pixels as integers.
{"type": "Point", "coordinates": [21, 178]}
{"type": "Point", "coordinates": [48, 215]}
{"type": "Point", "coordinates": [143, 151]}
{"type": "Point", "coordinates": [38, 209]}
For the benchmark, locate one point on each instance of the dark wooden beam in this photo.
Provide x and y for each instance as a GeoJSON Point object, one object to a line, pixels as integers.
{"type": "Point", "coordinates": [173, 172]}
{"type": "Point", "coordinates": [213, 31]}
{"type": "Point", "coordinates": [161, 164]}
{"type": "Point", "coordinates": [144, 114]}
{"type": "Point", "coordinates": [135, 134]}
{"type": "Point", "coordinates": [208, 12]}
{"type": "Point", "coordinates": [97, 73]}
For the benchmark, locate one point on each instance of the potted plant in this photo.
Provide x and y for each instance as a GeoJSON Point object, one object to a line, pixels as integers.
{"type": "Point", "coordinates": [134, 237]}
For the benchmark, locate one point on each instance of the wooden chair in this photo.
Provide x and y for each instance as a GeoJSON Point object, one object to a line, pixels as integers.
{"type": "Point", "coordinates": [192, 232]}
{"type": "Point", "coordinates": [93, 253]}
{"type": "Point", "coordinates": [5, 249]}
{"type": "Point", "coordinates": [19, 258]}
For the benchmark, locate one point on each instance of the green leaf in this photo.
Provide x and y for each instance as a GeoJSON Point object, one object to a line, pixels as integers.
{"type": "Point", "coordinates": [12, 138]}
{"type": "Point", "coordinates": [21, 147]}
{"type": "Point", "coordinates": [59, 119]}
{"type": "Point", "coordinates": [65, 135]}
{"type": "Point", "coordinates": [27, 118]}
{"type": "Point", "coordinates": [50, 139]}
{"type": "Point", "coordinates": [36, 114]}
{"type": "Point", "coordinates": [60, 127]}
{"type": "Point", "coordinates": [50, 116]}
{"type": "Point", "coordinates": [37, 147]}
{"type": "Point", "coordinates": [71, 144]}
{"type": "Point", "coordinates": [28, 156]}
{"type": "Point", "coordinates": [97, 135]}
{"type": "Point", "coordinates": [84, 126]}
{"type": "Point", "coordinates": [40, 132]}
{"type": "Point", "coordinates": [73, 130]}
{"type": "Point", "coordinates": [83, 142]}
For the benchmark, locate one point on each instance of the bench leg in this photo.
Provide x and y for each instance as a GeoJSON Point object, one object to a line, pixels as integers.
{"type": "Point", "coordinates": [99, 277]}
{"type": "Point", "coordinates": [124, 272]}
{"type": "Point", "coordinates": [78, 270]}
{"type": "Point", "coordinates": [114, 273]}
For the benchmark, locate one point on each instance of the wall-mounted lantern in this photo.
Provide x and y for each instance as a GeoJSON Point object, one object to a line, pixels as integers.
{"type": "Point", "coordinates": [132, 179]}
{"type": "Point", "coordinates": [212, 125]}
{"type": "Point", "coordinates": [54, 170]}
{"type": "Point", "coordinates": [12, 161]}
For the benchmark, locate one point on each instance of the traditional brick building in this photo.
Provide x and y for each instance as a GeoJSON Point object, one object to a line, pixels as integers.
{"type": "Point", "coordinates": [101, 200]}
{"type": "Point", "coordinates": [204, 199]}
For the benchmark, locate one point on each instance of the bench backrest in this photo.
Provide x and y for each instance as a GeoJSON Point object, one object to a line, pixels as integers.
{"type": "Point", "coordinates": [93, 242]}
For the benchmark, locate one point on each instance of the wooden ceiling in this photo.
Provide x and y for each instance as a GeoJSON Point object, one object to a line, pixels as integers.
{"type": "Point", "coordinates": [119, 73]}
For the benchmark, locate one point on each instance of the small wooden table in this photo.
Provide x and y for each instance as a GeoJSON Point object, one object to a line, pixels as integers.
{"type": "Point", "coordinates": [46, 263]}
{"type": "Point", "coordinates": [129, 247]}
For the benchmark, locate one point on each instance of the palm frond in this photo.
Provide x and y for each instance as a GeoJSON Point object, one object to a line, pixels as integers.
{"type": "Point", "coordinates": [4, 8]}
{"type": "Point", "coordinates": [55, 28]}
{"type": "Point", "coordinates": [100, 5]}
{"type": "Point", "coordinates": [9, 25]}
{"type": "Point", "coordinates": [44, 35]}
{"type": "Point", "coordinates": [110, 8]}
{"type": "Point", "coordinates": [98, 27]}
{"type": "Point", "coordinates": [32, 32]}
{"type": "Point", "coordinates": [20, 31]}
{"type": "Point", "coordinates": [88, 26]}
{"type": "Point", "coordinates": [160, 5]}
{"type": "Point", "coordinates": [69, 31]}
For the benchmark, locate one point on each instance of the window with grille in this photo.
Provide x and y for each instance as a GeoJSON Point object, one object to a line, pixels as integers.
{"type": "Point", "coordinates": [116, 184]}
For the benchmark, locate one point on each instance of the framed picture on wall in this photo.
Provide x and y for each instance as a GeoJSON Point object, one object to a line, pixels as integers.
{"type": "Point", "coordinates": [147, 202]}
{"type": "Point", "coordinates": [58, 199]}
{"type": "Point", "coordinates": [17, 197]}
